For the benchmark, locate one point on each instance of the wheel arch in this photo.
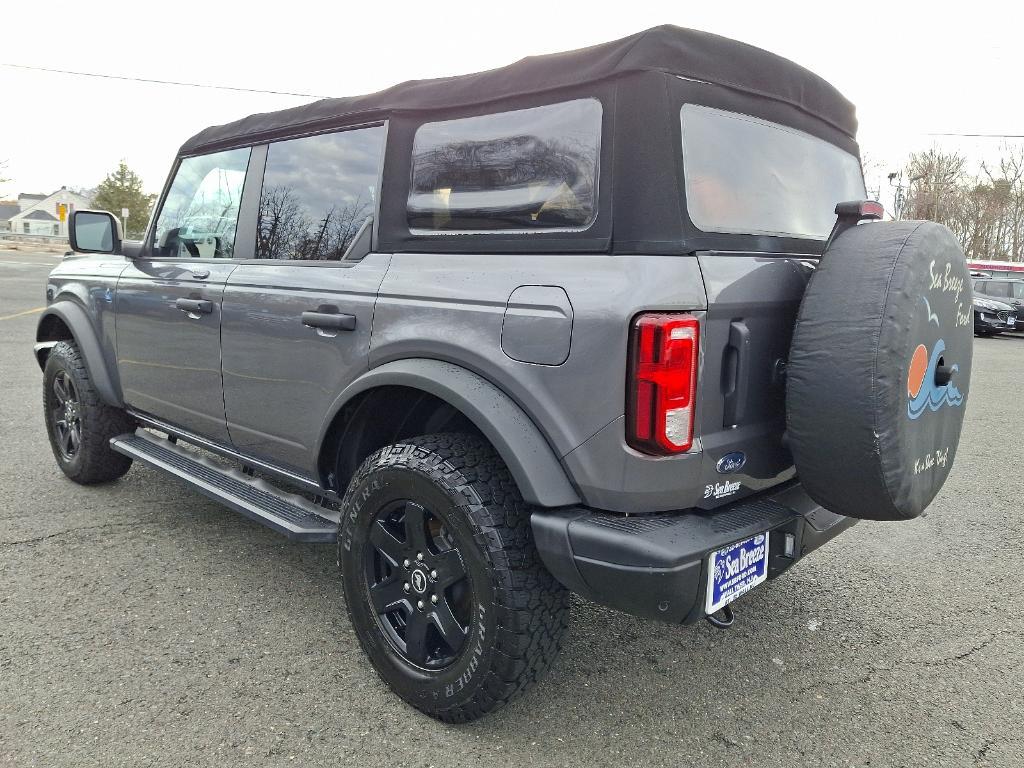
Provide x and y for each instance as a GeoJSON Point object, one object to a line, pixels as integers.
{"type": "Point", "coordinates": [422, 386]}
{"type": "Point", "coordinates": [67, 321]}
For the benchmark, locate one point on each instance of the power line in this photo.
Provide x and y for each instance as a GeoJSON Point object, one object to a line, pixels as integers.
{"type": "Point", "coordinates": [161, 82]}
{"type": "Point", "coordinates": [982, 135]}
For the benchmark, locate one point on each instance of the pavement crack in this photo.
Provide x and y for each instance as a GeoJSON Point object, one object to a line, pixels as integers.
{"type": "Point", "coordinates": [37, 539]}
{"type": "Point", "coordinates": [982, 753]}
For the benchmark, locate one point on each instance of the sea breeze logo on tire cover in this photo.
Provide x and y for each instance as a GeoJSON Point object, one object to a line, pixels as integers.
{"type": "Point", "coordinates": [923, 391]}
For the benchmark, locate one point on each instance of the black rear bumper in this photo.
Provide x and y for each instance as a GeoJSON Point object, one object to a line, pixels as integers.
{"type": "Point", "coordinates": [655, 565]}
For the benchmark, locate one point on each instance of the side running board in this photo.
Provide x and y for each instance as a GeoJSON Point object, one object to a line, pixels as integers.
{"type": "Point", "coordinates": [293, 515]}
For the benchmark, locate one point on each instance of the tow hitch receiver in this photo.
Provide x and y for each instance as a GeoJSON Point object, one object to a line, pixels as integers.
{"type": "Point", "coordinates": [723, 618]}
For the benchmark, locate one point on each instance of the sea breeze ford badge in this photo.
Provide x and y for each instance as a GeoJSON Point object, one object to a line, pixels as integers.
{"type": "Point", "coordinates": [735, 570]}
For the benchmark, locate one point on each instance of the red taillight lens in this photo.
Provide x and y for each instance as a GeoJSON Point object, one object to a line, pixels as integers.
{"type": "Point", "coordinates": [662, 382]}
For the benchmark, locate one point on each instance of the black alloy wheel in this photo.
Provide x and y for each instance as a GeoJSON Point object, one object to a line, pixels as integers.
{"type": "Point", "coordinates": [66, 415]}
{"type": "Point", "coordinates": [417, 584]}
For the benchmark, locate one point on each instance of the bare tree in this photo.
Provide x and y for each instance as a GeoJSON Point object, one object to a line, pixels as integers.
{"type": "Point", "coordinates": [985, 211]}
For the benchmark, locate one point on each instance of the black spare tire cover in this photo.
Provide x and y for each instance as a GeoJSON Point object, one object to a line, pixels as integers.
{"type": "Point", "coordinates": [879, 369]}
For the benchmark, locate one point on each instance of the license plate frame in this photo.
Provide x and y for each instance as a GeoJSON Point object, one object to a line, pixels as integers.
{"type": "Point", "coordinates": [735, 570]}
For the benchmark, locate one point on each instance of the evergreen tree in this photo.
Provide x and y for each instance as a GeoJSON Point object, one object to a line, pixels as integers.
{"type": "Point", "coordinates": [123, 189]}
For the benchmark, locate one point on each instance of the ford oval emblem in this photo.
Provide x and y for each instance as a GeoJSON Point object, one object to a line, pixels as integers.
{"type": "Point", "coordinates": [731, 462]}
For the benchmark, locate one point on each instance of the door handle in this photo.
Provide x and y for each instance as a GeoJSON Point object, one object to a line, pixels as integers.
{"type": "Point", "coordinates": [198, 306]}
{"type": "Point", "coordinates": [737, 361]}
{"type": "Point", "coordinates": [330, 320]}
{"type": "Point", "coordinates": [200, 274]}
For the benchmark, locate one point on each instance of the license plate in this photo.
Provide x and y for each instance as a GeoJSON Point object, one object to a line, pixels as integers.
{"type": "Point", "coordinates": [735, 570]}
{"type": "Point", "coordinates": [1011, 320]}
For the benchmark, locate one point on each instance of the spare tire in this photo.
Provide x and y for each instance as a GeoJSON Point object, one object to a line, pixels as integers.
{"type": "Point", "coordinates": [879, 369]}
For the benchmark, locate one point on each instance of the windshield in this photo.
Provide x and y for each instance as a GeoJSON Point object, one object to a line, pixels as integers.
{"type": "Point", "coordinates": [749, 176]}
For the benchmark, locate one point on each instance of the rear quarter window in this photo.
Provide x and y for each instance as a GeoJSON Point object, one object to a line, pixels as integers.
{"type": "Point", "coordinates": [744, 175]}
{"type": "Point", "coordinates": [524, 170]}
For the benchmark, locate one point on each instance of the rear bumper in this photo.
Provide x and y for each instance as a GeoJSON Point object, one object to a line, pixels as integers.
{"type": "Point", "coordinates": [654, 566]}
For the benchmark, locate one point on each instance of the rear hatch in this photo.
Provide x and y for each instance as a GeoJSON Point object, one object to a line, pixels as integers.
{"type": "Point", "coordinates": [767, 187]}
{"type": "Point", "coordinates": [752, 306]}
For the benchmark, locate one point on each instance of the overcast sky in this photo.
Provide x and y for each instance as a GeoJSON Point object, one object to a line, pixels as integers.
{"type": "Point", "coordinates": [911, 68]}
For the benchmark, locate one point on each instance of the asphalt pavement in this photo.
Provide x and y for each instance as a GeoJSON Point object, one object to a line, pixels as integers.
{"type": "Point", "coordinates": [143, 625]}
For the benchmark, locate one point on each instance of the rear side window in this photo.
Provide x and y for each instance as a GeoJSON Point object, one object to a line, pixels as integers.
{"type": "Point", "coordinates": [744, 175]}
{"type": "Point", "coordinates": [998, 289]}
{"type": "Point", "coordinates": [200, 213]}
{"type": "Point", "coordinates": [317, 192]}
{"type": "Point", "coordinates": [530, 169]}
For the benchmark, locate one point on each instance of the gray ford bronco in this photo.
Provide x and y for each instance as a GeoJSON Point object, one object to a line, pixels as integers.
{"type": "Point", "coordinates": [616, 321]}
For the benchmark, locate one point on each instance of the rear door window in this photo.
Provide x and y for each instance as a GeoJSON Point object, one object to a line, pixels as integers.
{"type": "Point", "coordinates": [744, 175]}
{"type": "Point", "coordinates": [317, 192]}
{"type": "Point", "coordinates": [525, 170]}
{"type": "Point", "coordinates": [200, 212]}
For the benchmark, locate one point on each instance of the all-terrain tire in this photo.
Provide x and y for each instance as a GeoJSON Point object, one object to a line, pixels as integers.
{"type": "Point", "coordinates": [518, 613]}
{"type": "Point", "coordinates": [92, 460]}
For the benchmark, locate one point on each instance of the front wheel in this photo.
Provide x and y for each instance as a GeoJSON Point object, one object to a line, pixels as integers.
{"type": "Point", "coordinates": [443, 584]}
{"type": "Point", "coordinates": [78, 423]}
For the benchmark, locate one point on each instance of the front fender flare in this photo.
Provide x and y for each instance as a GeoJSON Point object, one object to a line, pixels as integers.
{"type": "Point", "coordinates": [534, 466]}
{"type": "Point", "coordinates": [77, 321]}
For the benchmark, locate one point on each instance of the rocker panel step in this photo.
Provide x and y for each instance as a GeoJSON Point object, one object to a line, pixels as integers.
{"type": "Point", "coordinates": [290, 514]}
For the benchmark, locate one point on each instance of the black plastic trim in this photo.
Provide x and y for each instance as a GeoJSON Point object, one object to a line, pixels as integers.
{"type": "Point", "coordinates": [653, 566]}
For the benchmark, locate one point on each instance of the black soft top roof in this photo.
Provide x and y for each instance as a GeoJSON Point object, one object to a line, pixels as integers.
{"type": "Point", "coordinates": [674, 50]}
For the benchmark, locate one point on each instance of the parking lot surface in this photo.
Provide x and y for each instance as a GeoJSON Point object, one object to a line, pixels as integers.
{"type": "Point", "coordinates": [141, 624]}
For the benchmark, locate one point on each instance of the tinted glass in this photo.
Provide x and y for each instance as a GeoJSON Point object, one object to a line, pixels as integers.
{"type": "Point", "coordinates": [200, 213]}
{"type": "Point", "coordinates": [998, 289]}
{"type": "Point", "coordinates": [523, 170]}
{"type": "Point", "coordinates": [1017, 290]}
{"type": "Point", "coordinates": [745, 175]}
{"type": "Point", "coordinates": [317, 192]}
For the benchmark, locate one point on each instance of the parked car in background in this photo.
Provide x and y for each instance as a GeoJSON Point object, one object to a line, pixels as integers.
{"type": "Point", "coordinates": [1008, 291]}
{"type": "Point", "coordinates": [992, 317]}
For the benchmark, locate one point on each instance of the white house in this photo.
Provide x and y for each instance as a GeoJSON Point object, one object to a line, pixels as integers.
{"type": "Point", "coordinates": [40, 214]}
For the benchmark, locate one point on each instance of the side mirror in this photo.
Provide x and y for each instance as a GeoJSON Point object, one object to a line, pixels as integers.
{"type": "Point", "coordinates": [95, 232]}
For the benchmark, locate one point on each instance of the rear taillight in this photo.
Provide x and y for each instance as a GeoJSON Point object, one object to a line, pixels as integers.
{"type": "Point", "coordinates": [662, 382]}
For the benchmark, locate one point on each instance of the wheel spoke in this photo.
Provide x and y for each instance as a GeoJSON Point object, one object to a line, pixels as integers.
{"type": "Point", "coordinates": [415, 527]}
{"type": "Point", "coordinates": [60, 388]}
{"type": "Point", "coordinates": [386, 542]}
{"type": "Point", "coordinates": [416, 637]}
{"type": "Point", "coordinates": [67, 441]}
{"type": "Point", "coordinates": [448, 626]}
{"type": "Point", "coordinates": [449, 567]}
{"type": "Point", "coordinates": [388, 596]}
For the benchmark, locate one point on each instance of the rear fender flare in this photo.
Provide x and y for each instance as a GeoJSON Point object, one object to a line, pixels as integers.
{"type": "Point", "coordinates": [77, 321]}
{"type": "Point", "coordinates": [528, 456]}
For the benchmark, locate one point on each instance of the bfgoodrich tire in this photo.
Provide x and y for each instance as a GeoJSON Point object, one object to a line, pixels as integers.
{"type": "Point", "coordinates": [78, 423]}
{"type": "Point", "coordinates": [442, 582]}
{"type": "Point", "coordinates": [879, 369]}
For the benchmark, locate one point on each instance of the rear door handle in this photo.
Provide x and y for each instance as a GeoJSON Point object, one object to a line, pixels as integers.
{"type": "Point", "coordinates": [329, 320]}
{"type": "Point", "coordinates": [200, 274]}
{"type": "Point", "coordinates": [198, 306]}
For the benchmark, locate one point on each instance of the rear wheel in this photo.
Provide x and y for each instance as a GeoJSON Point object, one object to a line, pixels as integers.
{"type": "Point", "coordinates": [78, 423]}
{"type": "Point", "coordinates": [442, 582]}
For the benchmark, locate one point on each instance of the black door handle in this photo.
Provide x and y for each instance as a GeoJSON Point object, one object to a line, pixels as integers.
{"type": "Point", "coordinates": [199, 306]}
{"type": "Point", "coordinates": [737, 383]}
{"type": "Point", "coordinates": [330, 320]}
